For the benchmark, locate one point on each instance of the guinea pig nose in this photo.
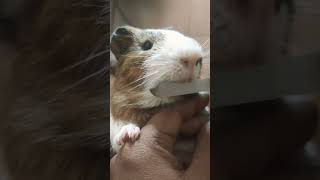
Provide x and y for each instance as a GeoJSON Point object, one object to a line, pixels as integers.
{"type": "Point", "coordinates": [185, 61]}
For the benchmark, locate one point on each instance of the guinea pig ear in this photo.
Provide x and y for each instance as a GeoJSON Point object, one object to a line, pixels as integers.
{"type": "Point", "coordinates": [121, 40]}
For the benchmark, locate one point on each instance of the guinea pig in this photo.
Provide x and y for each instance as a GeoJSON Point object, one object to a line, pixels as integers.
{"type": "Point", "coordinates": [144, 58]}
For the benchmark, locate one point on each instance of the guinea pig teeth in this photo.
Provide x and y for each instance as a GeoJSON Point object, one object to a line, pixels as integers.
{"type": "Point", "coordinates": [170, 89]}
{"type": "Point", "coordinates": [197, 71]}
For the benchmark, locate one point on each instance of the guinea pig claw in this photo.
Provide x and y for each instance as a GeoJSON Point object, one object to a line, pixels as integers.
{"type": "Point", "coordinates": [128, 133]}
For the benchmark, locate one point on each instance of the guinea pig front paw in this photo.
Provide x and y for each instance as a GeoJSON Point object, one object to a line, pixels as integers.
{"type": "Point", "coordinates": [128, 133]}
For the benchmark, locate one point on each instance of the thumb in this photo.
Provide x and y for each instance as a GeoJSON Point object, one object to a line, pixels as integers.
{"type": "Point", "coordinates": [200, 165]}
{"type": "Point", "coordinates": [164, 126]}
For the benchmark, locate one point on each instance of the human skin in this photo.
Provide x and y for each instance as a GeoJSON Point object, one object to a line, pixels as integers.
{"type": "Point", "coordinates": [151, 156]}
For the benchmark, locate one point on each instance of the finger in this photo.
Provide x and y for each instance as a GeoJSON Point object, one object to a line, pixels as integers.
{"type": "Point", "coordinates": [190, 108]}
{"type": "Point", "coordinates": [164, 126]}
{"type": "Point", "coordinates": [162, 130]}
{"type": "Point", "coordinates": [191, 126]}
{"type": "Point", "coordinates": [113, 167]}
{"type": "Point", "coordinates": [200, 165]}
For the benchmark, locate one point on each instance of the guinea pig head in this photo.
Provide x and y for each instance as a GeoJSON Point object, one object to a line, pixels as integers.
{"type": "Point", "coordinates": [146, 57]}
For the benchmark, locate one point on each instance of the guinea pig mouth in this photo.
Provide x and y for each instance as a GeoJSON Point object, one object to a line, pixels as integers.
{"type": "Point", "coordinates": [166, 89]}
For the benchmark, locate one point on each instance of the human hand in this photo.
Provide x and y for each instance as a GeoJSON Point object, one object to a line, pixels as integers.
{"type": "Point", "coordinates": [151, 156]}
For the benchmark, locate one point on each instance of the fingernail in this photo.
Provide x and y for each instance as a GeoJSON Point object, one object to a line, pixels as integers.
{"type": "Point", "coordinates": [204, 96]}
{"type": "Point", "coordinates": [202, 101]}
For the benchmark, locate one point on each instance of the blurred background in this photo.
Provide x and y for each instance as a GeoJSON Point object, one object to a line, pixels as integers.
{"type": "Point", "coordinates": [248, 30]}
{"type": "Point", "coordinates": [8, 10]}
{"type": "Point", "coordinates": [278, 139]}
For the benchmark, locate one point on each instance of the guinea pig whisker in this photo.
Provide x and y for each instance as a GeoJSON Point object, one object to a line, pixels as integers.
{"type": "Point", "coordinates": [146, 80]}
{"type": "Point", "coordinates": [141, 78]}
{"type": "Point", "coordinates": [134, 53]}
{"type": "Point", "coordinates": [159, 77]}
{"type": "Point", "coordinates": [138, 62]}
{"type": "Point", "coordinates": [152, 63]}
{"type": "Point", "coordinates": [162, 75]}
{"type": "Point", "coordinates": [134, 56]}
{"type": "Point", "coordinates": [135, 87]}
{"type": "Point", "coordinates": [70, 67]}
{"type": "Point", "coordinates": [77, 83]}
{"type": "Point", "coordinates": [145, 76]}
{"type": "Point", "coordinates": [135, 81]}
{"type": "Point", "coordinates": [157, 65]}
{"type": "Point", "coordinates": [129, 105]}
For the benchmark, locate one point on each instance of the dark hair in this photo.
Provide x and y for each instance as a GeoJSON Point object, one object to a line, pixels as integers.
{"type": "Point", "coordinates": [57, 127]}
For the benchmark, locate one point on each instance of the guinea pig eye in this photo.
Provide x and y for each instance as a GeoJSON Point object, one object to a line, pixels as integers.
{"type": "Point", "coordinates": [147, 45]}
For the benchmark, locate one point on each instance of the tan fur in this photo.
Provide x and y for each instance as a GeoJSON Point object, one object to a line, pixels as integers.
{"type": "Point", "coordinates": [123, 92]}
{"type": "Point", "coordinates": [125, 88]}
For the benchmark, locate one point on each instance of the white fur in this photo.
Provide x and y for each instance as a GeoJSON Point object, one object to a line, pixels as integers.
{"type": "Point", "coordinates": [165, 65]}
{"type": "Point", "coordinates": [118, 129]}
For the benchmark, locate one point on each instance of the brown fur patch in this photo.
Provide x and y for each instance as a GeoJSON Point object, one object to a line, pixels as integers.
{"type": "Point", "coordinates": [127, 86]}
{"type": "Point", "coordinates": [126, 90]}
